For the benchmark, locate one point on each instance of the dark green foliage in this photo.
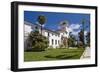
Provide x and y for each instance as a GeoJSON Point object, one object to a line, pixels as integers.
{"type": "Point", "coordinates": [88, 39]}
{"type": "Point", "coordinates": [37, 41]}
{"type": "Point", "coordinates": [71, 41]}
{"type": "Point", "coordinates": [81, 38]}
{"type": "Point", "coordinates": [41, 19]}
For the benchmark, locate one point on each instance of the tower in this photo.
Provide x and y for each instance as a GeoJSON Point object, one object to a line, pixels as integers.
{"type": "Point", "coordinates": [64, 33]}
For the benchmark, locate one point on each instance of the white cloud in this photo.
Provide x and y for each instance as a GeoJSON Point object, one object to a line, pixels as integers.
{"type": "Point", "coordinates": [70, 29]}
{"type": "Point", "coordinates": [74, 27]}
{"type": "Point", "coordinates": [75, 32]}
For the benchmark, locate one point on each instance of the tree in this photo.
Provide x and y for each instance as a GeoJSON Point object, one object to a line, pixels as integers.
{"type": "Point", "coordinates": [65, 42]}
{"type": "Point", "coordinates": [71, 40]}
{"type": "Point", "coordinates": [88, 39]}
{"type": "Point", "coordinates": [63, 25]}
{"type": "Point", "coordinates": [41, 19]}
{"type": "Point", "coordinates": [83, 23]}
{"type": "Point", "coordinates": [37, 42]}
{"type": "Point", "coordinates": [81, 38]}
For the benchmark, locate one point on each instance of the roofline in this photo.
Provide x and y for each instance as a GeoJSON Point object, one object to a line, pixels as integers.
{"type": "Point", "coordinates": [31, 24]}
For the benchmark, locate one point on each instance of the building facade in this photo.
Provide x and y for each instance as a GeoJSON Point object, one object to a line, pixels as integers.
{"type": "Point", "coordinates": [56, 38]}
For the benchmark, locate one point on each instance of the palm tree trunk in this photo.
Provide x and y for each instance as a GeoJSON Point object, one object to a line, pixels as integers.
{"type": "Point", "coordinates": [41, 29]}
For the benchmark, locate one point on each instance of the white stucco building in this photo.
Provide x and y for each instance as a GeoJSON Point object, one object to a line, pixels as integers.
{"type": "Point", "coordinates": [55, 38]}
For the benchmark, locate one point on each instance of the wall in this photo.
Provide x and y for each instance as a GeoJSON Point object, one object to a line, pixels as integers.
{"type": "Point", "coordinates": [5, 36]}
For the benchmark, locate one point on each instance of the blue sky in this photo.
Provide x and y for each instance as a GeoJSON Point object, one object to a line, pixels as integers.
{"type": "Point", "coordinates": [54, 18]}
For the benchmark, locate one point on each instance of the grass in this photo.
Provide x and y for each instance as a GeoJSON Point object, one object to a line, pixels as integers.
{"type": "Point", "coordinates": [54, 54]}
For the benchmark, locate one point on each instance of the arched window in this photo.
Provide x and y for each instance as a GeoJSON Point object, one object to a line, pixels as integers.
{"type": "Point", "coordinates": [55, 42]}
{"type": "Point", "coordinates": [52, 41]}
{"type": "Point", "coordinates": [48, 34]}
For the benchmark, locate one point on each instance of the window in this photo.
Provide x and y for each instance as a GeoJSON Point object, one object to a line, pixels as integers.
{"type": "Point", "coordinates": [52, 41]}
{"type": "Point", "coordinates": [48, 34]}
{"type": "Point", "coordinates": [55, 41]}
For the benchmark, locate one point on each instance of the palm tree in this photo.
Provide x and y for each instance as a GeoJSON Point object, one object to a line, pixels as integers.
{"type": "Point", "coordinates": [41, 19]}
{"type": "Point", "coordinates": [83, 23]}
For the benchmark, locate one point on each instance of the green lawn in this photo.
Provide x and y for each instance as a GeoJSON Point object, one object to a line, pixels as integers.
{"type": "Point", "coordinates": [54, 54]}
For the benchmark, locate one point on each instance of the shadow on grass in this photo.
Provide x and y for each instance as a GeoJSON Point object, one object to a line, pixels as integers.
{"type": "Point", "coordinates": [70, 52]}
{"type": "Point", "coordinates": [35, 50]}
{"type": "Point", "coordinates": [61, 56]}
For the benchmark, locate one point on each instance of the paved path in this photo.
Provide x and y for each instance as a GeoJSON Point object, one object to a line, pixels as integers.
{"type": "Point", "coordinates": [86, 53]}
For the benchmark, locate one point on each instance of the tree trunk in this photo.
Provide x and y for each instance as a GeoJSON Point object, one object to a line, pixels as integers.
{"type": "Point", "coordinates": [41, 29]}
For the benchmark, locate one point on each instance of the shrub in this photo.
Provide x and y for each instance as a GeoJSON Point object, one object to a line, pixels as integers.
{"type": "Point", "coordinates": [80, 45]}
{"type": "Point", "coordinates": [37, 41]}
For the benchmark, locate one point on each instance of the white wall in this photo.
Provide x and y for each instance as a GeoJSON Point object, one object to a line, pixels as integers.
{"type": "Point", "coordinates": [27, 28]}
{"type": "Point", "coordinates": [5, 36]}
{"type": "Point", "coordinates": [52, 36]}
